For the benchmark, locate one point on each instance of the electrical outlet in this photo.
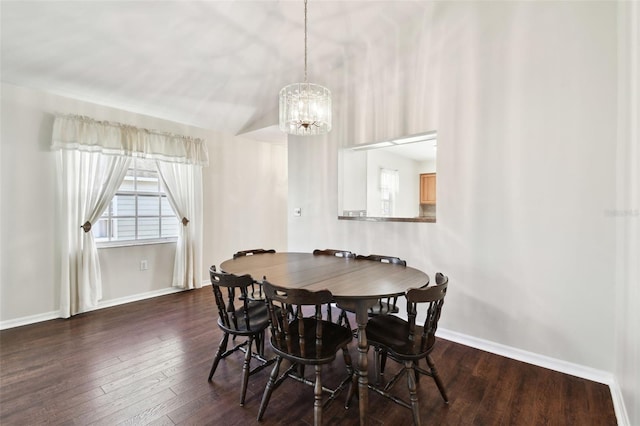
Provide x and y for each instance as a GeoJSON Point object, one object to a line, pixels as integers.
{"type": "Point", "coordinates": [144, 265]}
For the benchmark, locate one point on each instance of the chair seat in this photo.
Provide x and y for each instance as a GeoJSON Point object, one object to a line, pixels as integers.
{"type": "Point", "coordinates": [392, 334]}
{"type": "Point", "coordinates": [259, 315]}
{"type": "Point", "coordinates": [334, 337]}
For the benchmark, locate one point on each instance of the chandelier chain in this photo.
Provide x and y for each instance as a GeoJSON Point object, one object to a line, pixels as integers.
{"type": "Point", "coordinates": [305, 41]}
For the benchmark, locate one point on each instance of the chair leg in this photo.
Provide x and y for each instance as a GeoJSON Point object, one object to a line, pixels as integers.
{"type": "Point", "coordinates": [353, 388]}
{"type": "Point", "coordinates": [221, 349]}
{"type": "Point", "coordinates": [268, 390]}
{"type": "Point", "coordinates": [317, 399]}
{"type": "Point", "coordinates": [436, 377]}
{"type": "Point", "coordinates": [377, 354]}
{"type": "Point", "coordinates": [260, 343]}
{"type": "Point", "coordinates": [413, 395]}
{"type": "Point", "coordinates": [343, 319]}
{"type": "Point", "coordinates": [256, 340]}
{"type": "Point", "coordinates": [246, 368]}
{"type": "Point", "coordinates": [383, 361]}
{"type": "Point", "coordinates": [354, 381]}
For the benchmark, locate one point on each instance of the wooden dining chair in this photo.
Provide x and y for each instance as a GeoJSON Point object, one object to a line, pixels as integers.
{"type": "Point", "coordinates": [407, 343]}
{"type": "Point", "coordinates": [252, 252]}
{"type": "Point", "coordinates": [333, 252]}
{"type": "Point", "coordinates": [239, 316]}
{"type": "Point", "coordinates": [304, 337]}
{"type": "Point", "coordinates": [387, 305]}
{"type": "Point", "coordinates": [255, 292]}
{"type": "Point", "coordinates": [337, 253]}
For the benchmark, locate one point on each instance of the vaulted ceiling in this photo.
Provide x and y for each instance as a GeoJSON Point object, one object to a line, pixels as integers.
{"type": "Point", "coordinates": [212, 64]}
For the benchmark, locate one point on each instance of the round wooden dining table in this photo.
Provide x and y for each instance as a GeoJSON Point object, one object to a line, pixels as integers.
{"type": "Point", "coordinates": [355, 284]}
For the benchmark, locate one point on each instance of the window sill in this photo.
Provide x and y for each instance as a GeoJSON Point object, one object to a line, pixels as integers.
{"type": "Point", "coordinates": [424, 219]}
{"type": "Point", "coordinates": [114, 244]}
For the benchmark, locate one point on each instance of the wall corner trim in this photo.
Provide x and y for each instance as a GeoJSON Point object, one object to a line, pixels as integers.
{"type": "Point", "coordinates": [618, 404]}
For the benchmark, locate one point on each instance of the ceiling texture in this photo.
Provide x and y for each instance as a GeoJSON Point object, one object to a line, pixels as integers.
{"type": "Point", "coordinates": [212, 64]}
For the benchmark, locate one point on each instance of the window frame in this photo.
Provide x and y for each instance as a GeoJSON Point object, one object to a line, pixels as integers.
{"type": "Point", "coordinates": [389, 187]}
{"type": "Point", "coordinates": [159, 194]}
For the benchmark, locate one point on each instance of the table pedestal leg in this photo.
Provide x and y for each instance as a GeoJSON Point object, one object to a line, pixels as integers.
{"type": "Point", "coordinates": [361, 308]}
{"type": "Point", "coordinates": [362, 317]}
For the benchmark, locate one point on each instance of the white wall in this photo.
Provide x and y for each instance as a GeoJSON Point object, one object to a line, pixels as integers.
{"type": "Point", "coordinates": [523, 97]}
{"type": "Point", "coordinates": [428, 166]}
{"type": "Point", "coordinates": [354, 181]}
{"type": "Point", "coordinates": [121, 274]}
{"type": "Point", "coordinates": [245, 190]}
{"type": "Point", "coordinates": [245, 197]}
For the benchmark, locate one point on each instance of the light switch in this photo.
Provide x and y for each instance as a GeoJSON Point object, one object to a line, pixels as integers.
{"type": "Point", "coordinates": [297, 211]}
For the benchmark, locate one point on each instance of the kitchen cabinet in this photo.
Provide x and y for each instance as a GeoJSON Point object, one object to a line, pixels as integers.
{"type": "Point", "coordinates": [428, 188]}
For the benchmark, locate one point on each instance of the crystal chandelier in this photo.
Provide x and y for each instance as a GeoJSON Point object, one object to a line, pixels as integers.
{"type": "Point", "coordinates": [305, 108]}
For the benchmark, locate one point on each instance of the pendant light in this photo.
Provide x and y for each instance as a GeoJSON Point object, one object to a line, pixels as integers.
{"type": "Point", "coordinates": [305, 108]}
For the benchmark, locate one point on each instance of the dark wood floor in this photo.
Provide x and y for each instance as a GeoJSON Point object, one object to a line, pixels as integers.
{"type": "Point", "coordinates": [147, 363]}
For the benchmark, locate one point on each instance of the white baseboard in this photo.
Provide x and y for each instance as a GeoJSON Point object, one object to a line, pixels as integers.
{"type": "Point", "coordinates": [559, 365]}
{"type": "Point", "coordinates": [528, 357]}
{"type": "Point", "coordinates": [101, 305]}
{"type": "Point", "coordinates": [137, 297]}
{"type": "Point", "coordinates": [32, 319]}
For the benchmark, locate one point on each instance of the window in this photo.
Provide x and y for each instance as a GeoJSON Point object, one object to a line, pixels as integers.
{"type": "Point", "coordinates": [140, 210]}
{"type": "Point", "coordinates": [388, 191]}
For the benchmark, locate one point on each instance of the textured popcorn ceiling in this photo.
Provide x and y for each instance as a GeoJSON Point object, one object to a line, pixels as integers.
{"type": "Point", "coordinates": [212, 64]}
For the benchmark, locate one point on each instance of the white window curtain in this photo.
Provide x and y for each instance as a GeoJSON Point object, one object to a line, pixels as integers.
{"type": "Point", "coordinates": [183, 185]}
{"type": "Point", "coordinates": [93, 157]}
{"type": "Point", "coordinates": [88, 181]}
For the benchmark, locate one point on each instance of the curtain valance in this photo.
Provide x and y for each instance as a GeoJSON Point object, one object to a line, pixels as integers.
{"type": "Point", "coordinates": [74, 132]}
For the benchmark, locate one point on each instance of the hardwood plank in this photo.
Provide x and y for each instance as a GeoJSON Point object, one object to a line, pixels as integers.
{"type": "Point", "coordinates": [121, 411]}
{"type": "Point", "coordinates": [500, 381]}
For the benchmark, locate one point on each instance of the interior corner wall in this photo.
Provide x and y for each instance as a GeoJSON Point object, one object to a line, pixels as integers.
{"type": "Point", "coordinates": [627, 212]}
{"type": "Point", "coordinates": [244, 189]}
{"type": "Point", "coordinates": [245, 197]}
{"type": "Point", "coordinates": [526, 123]}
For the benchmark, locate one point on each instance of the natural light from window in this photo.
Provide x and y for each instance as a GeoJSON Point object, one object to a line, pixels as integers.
{"type": "Point", "coordinates": [140, 210]}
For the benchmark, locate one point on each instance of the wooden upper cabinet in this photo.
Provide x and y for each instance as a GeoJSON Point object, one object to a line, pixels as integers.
{"type": "Point", "coordinates": [428, 188]}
